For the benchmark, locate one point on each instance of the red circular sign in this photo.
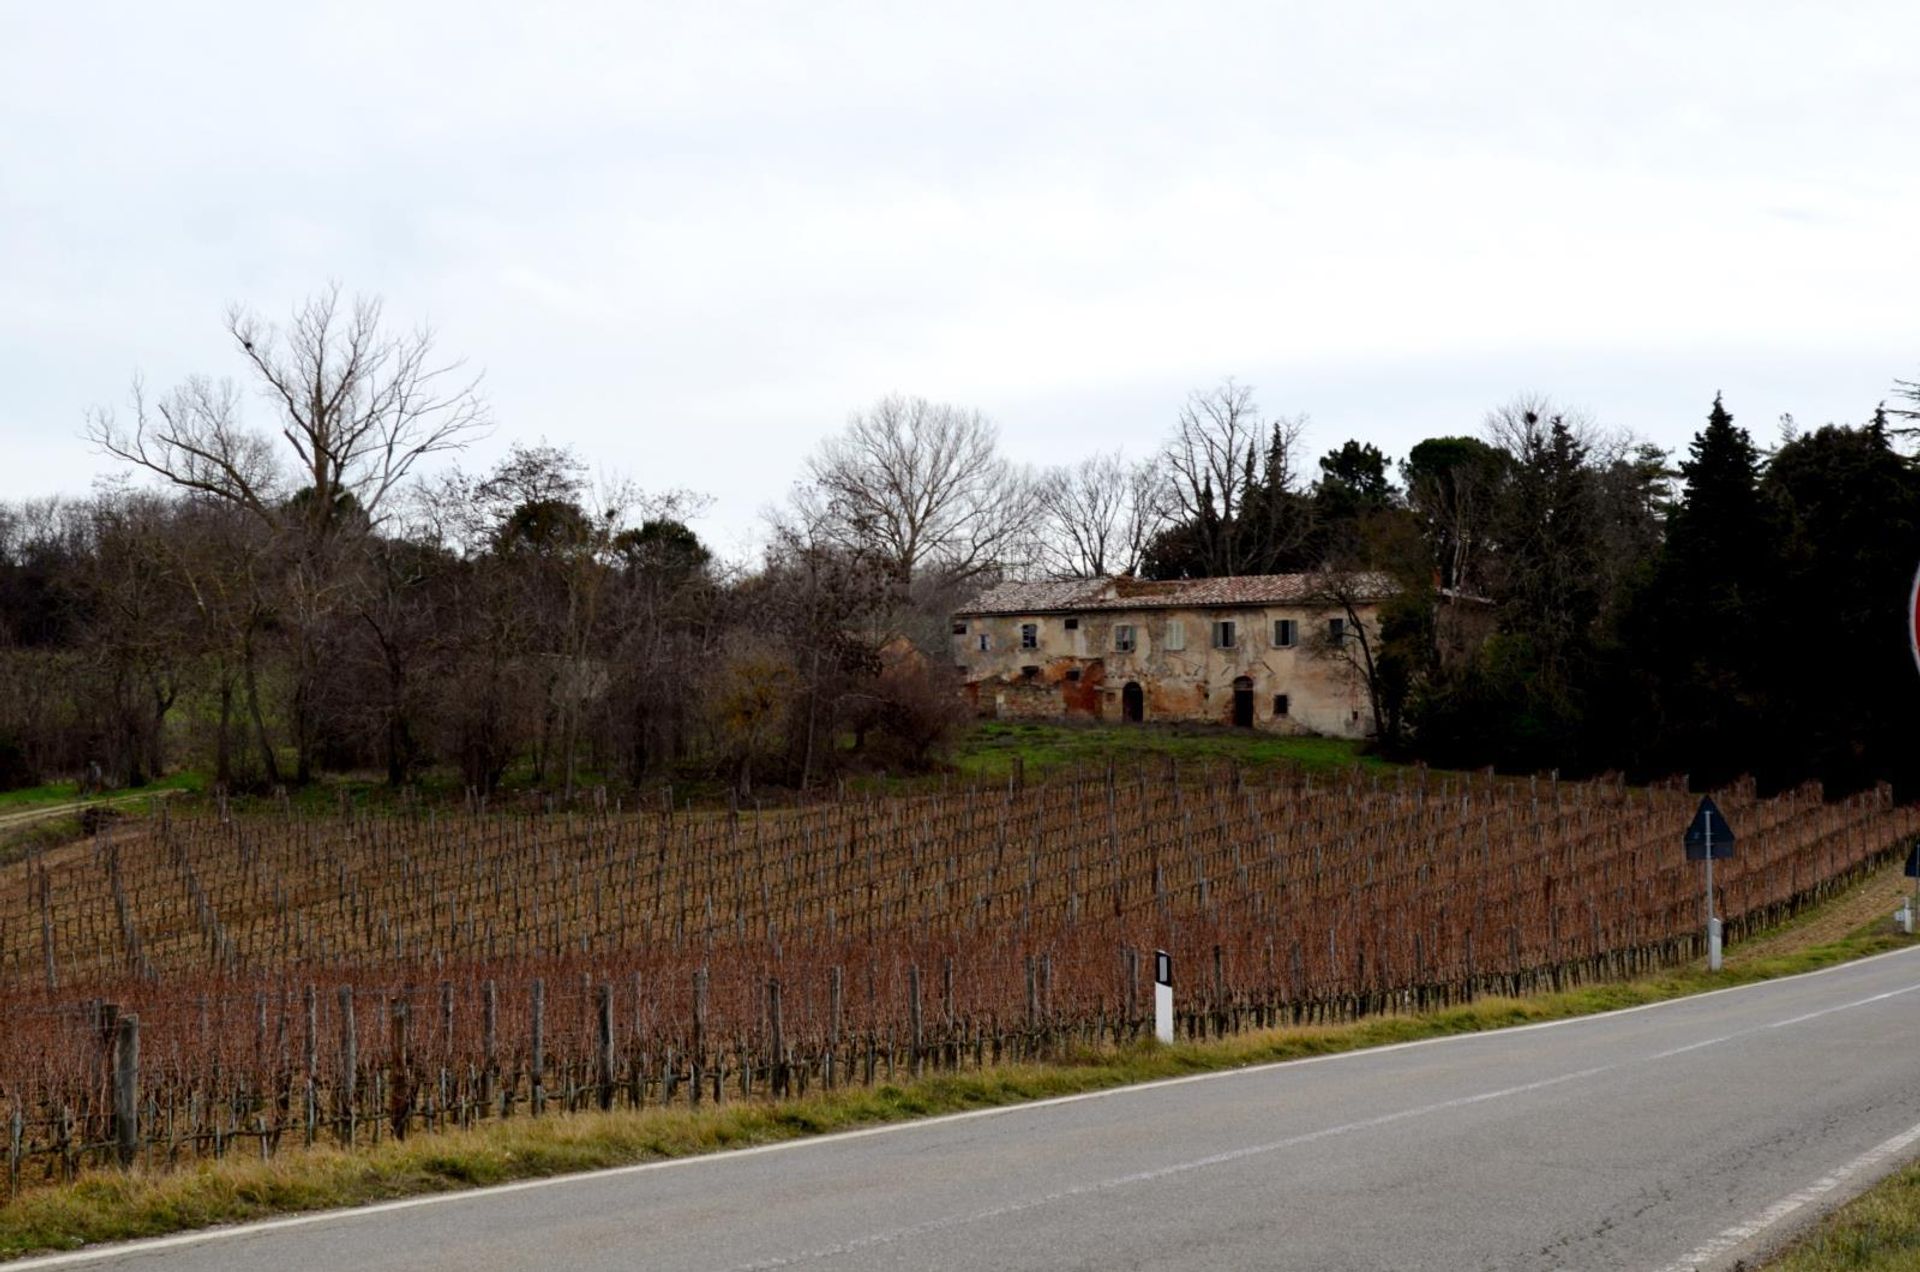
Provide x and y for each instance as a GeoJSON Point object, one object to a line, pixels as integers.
{"type": "Point", "coordinates": [1913, 618]}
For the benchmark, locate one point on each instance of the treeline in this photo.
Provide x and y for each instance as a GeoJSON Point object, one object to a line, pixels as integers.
{"type": "Point", "coordinates": [299, 594]}
{"type": "Point", "coordinates": [557, 636]}
{"type": "Point", "coordinates": [296, 596]}
{"type": "Point", "coordinates": [1570, 598]}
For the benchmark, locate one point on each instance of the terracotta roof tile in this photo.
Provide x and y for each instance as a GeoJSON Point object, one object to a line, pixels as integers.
{"type": "Point", "coordinates": [1129, 593]}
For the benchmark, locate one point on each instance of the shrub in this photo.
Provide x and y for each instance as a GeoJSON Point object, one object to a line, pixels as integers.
{"type": "Point", "coordinates": [15, 772]}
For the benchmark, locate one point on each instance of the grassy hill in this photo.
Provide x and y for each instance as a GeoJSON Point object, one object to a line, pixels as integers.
{"type": "Point", "coordinates": [990, 749]}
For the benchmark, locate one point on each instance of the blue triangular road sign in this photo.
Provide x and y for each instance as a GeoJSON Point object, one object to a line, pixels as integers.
{"type": "Point", "coordinates": [1709, 828]}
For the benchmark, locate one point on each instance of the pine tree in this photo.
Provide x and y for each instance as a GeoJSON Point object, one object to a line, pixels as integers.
{"type": "Point", "coordinates": [1707, 617]}
{"type": "Point", "coordinates": [1846, 696]}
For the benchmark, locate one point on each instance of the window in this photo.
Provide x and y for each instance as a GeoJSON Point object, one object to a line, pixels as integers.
{"type": "Point", "coordinates": [1031, 673]}
{"type": "Point", "coordinates": [1285, 632]}
{"type": "Point", "coordinates": [1336, 630]}
{"type": "Point", "coordinates": [1223, 634]}
{"type": "Point", "coordinates": [1074, 675]}
{"type": "Point", "coordinates": [986, 643]}
{"type": "Point", "coordinates": [1029, 635]}
{"type": "Point", "coordinates": [1176, 634]}
{"type": "Point", "coordinates": [1280, 704]}
{"type": "Point", "coordinates": [1073, 624]}
{"type": "Point", "coordinates": [1123, 638]}
{"type": "Point", "coordinates": [959, 629]}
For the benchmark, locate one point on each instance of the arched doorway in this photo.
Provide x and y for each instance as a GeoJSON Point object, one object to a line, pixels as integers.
{"type": "Point", "coordinates": [1133, 703]}
{"type": "Point", "coordinates": [1242, 703]}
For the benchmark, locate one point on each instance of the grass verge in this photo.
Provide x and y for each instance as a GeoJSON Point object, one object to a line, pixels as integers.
{"type": "Point", "coordinates": [110, 1206]}
{"type": "Point", "coordinates": [1878, 1231]}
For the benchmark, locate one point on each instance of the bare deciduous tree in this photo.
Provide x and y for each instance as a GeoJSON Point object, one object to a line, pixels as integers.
{"type": "Point", "coordinates": [1348, 595]}
{"type": "Point", "coordinates": [1227, 474]}
{"type": "Point", "coordinates": [356, 405]}
{"type": "Point", "coordinates": [222, 559]}
{"type": "Point", "coordinates": [1099, 515]}
{"type": "Point", "coordinates": [829, 605]}
{"type": "Point", "coordinates": [750, 698]}
{"type": "Point", "coordinates": [923, 485]}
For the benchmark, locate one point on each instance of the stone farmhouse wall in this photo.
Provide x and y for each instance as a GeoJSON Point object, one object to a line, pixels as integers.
{"type": "Point", "coordinates": [1078, 665]}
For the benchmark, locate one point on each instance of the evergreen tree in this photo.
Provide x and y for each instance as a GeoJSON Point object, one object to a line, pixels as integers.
{"type": "Point", "coordinates": [1454, 485]}
{"type": "Point", "coordinates": [1518, 700]}
{"type": "Point", "coordinates": [1271, 530]}
{"type": "Point", "coordinates": [1845, 694]}
{"type": "Point", "coordinates": [1353, 487]}
{"type": "Point", "coordinates": [1550, 533]}
{"type": "Point", "coordinates": [1703, 627]}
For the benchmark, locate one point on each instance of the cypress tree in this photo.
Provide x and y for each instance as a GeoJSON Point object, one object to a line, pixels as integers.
{"type": "Point", "coordinates": [1710, 612]}
{"type": "Point", "coordinates": [1846, 694]}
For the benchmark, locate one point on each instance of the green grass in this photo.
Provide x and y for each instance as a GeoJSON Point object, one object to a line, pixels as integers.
{"type": "Point", "coordinates": [989, 750]}
{"type": "Point", "coordinates": [983, 751]}
{"type": "Point", "coordinates": [1878, 1231]}
{"type": "Point", "coordinates": [108, 1206]}
{"type": "Point", "coordinates": [31, 797]}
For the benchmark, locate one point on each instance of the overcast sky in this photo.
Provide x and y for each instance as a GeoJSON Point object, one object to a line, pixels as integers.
{"type": "Point", "coordinates": [688, 240]}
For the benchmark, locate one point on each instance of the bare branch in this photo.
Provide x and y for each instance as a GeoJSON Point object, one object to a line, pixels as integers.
{"type": "Point", "coordinates": [1099, 515]}
{"type": "Point", "coordinates": [921, 484]}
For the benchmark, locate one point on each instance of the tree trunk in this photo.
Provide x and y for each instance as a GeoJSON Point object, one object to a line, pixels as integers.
{"type": "Point", "coordinates": [222, 745]}
{"type": "Point", "coordinates": [303, 725]}
{"type": "Point", "coordinates": [398, 738]}
{"type": "Point", "coordinates": [269, 761]}
{"type": "Point", "coordinates": [157, 741]}
{"type": "Point", "coordinates": [813, 711]}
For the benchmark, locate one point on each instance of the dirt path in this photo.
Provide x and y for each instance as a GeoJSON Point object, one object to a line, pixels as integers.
{"type": "Point", "coordinates": [1875, 897]}
{"type": "Point", "coordinates": [27, 816]}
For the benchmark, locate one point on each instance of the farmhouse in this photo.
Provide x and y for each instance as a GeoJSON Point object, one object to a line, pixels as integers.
{"type": "Point", "coordinates": [1278, 652]}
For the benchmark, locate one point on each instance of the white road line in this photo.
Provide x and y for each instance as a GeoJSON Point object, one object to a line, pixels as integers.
{"type": "Point", "coordinates": [1159, 1172]}
{"type": "Point", "coordinates": [1741, 1233]}
{"type": "Point", "coordinates": [152, 1245]}
{"type": "Point", "coordinates": [1694, 1046]}
{"type": "Point", "coordinates": [892, 1236]}
{"type": "Point", "coordinates": [1825, 1011]}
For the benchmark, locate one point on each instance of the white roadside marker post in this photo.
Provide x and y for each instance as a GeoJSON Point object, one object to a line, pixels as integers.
{"type": "Point", "coordinates": [1908, 905]}
{"type": "Point", "coordinates": [1163, 996]}
{"type": "Point", "coordinates": [1713, 923]}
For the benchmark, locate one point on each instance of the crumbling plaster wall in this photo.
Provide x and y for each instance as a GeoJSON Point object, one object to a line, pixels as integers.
{"type": "Point", "coordinates": [1195, 683]}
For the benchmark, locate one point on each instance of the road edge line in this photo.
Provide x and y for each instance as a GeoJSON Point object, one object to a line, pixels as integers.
{"type": "Point", "coordinates": [1727, 1240]}
{"type": "Point", "coordinates": [174, 1241]}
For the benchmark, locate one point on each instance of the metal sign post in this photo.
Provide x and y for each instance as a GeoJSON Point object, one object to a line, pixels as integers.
{"type": "Point", "coordinates": [1708, 838]}
{"type": "Point", "coordinates": [1163, 995]}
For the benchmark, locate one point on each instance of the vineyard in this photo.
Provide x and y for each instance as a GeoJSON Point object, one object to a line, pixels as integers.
{"type": "Point", "coordinates": [187, 985]}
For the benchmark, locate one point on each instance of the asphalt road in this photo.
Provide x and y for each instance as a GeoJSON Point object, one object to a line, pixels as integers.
{"type": "Point", "coordinates": [1689, 1134]}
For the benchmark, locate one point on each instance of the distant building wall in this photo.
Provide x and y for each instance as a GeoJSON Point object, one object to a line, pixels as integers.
{"type": "Point", "coordinates": [1078, 664]}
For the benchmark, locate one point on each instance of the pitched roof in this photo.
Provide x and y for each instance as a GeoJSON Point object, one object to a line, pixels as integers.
{"type": "Point", "coordinates": [1127, 593]}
